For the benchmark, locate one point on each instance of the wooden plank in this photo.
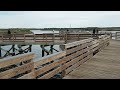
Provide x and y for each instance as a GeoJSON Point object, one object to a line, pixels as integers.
{"type": "Point", "coordinates": [65, 46]}
{"type": "Point", "coordinates": [48, 58]}
{"type": "Point", "coordinates": [49, 67]}
{"type": "Point", "coordinates": [52, 73]}
{"type": "Point", "coordinates": [15, 71]}
{"type": "Point", "coordinates": [76, 48]}
{"type": "Point", "coordinates": [30, 75]}
{"type": "Point", "coordinates": [81, 52]}
{"type": "Point", "coordinates": [16, 59]}
{"type": "Point", "coordinates": [72, 62]}
{"type": "Point", "coordinates": [76, 65]}
{"type": "Point", "coordinates": [93, 46]}
{"type": "Point", "coordinates": [96, 48]}
{"type": "Point", "coordinates": [77, 53]}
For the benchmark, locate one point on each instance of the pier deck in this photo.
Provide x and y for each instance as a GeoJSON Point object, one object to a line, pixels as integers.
{"type": "Point", "coordinates": [104, 65]}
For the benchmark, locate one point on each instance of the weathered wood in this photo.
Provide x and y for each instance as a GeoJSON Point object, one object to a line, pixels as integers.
{"type": "Point", "coordinates": [64, 62]}
{"type": "Point", "coordinates": [15, 71]}
{"type": "Point", "coordinates": [54, 64]}
{"type": "Point", "coordinates": [30, 75]}
{"type": "Point", "coordinates": [55, 71]}
{"type": "Point", "coordinates": [77, 48]}
{"type": "Point", "coordinates": [48, 58]}
{"type": "Point", "coordinates": [65, 46]}
{"type": "Point", "coordinates": [43, 38]}
{"type": "Point", "coordinates": [94, 46]}
{"type": "Point", "coordinates": [70, 57]}
{"type": "Point", "coordinates": [72, 62]}
{"type": "Point", "coordinates": [104, 65]}
{"type": "Point", "coordinates": [51, 74]}
{"type": "Point", "coordinates": [76, 65]}
{"type": "Point", "coordinates": [48, 67]}
{"type": "Point", "coordinates": [16, 59]}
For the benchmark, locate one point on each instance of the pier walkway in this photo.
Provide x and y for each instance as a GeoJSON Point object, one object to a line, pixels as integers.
{"type": "Point", "coordinates": [104, 65]}
{"type": "Point", "coordinates": [85, 59]}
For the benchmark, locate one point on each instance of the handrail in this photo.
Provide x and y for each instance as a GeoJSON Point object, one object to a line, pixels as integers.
{"type": "Point", "coordinates": [57, 64]}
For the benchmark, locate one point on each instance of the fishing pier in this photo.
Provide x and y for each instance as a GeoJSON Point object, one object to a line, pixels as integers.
{"type": "Point", "coordinates": [81, 56]}
{"type": "Point", "coordinates": [44, 40]}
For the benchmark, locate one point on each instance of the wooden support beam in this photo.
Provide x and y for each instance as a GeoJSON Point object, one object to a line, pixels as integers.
{"type": "Point", "coordinates": [42, 53]}
{"type": "Point", "coordinates": [51, 49]}
{"type": "Point", "coordinates": [55, 50]}
{"type": "Point", "coordinates": [30, 48]}
{"type": "Point", "coordinates": [13, 47]}
{"type": "Point", "coordinates": [44, 50]}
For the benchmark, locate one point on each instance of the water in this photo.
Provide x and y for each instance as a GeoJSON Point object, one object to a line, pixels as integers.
{"type": "Point", "coordinates": [41, 32]}
{"type": "Point", "coordinates": [35, 49]}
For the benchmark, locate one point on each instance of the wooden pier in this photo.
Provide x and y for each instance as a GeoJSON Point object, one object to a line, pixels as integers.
{"type": "Point", "coordinates": [104, 65]}
{"type": "Point", "coordinates": [43, 39]}
{"type": "Point", "coordinates": [58, 65]}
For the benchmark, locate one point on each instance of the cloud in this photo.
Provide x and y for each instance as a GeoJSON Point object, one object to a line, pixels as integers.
{"type": "Point", "coordinates": [41, 19]}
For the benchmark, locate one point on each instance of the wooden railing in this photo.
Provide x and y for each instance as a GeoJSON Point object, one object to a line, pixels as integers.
{"type": "Point", "coordinates": [45, 37]}
{"type": "Point", "coordinates": [55, 65]}
{"type": "Point", "coordinates": [117, 36]}
{"type": "Point", "coordinates": [14, 67]}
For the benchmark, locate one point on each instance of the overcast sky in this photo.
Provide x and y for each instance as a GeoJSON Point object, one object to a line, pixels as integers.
{"type": "Point", "coordinates": [61, 19]}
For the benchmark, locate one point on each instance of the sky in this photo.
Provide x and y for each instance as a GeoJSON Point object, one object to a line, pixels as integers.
{"type": "Point", "coordinates": [59, 19]}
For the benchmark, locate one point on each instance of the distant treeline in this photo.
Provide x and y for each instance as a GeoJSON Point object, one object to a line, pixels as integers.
{"type": "Point", "coordinates": [87, 28]}
{"type": "Point", "coordinates": [27, 30]}
{"type": "Point", "coordinates": [17, 31]}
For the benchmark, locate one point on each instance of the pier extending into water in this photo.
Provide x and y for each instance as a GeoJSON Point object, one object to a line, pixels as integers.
{"type": "Point", "coordinates": [59, 65]}
{"type": "Point", "coordinates": [44, 40]}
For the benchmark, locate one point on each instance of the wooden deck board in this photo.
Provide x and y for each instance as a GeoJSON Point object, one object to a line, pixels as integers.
{"type": "Point", "coordinates": [104, 65]}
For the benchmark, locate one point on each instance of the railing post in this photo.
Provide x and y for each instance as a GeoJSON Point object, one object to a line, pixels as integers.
{"type": "Point", "coordinates": [51, 49]}
{"type": "Point", "coordinates": [53, 37]}
{"type": "Point", "coordinates": [66, 38]}
{"type": "Point", "coordinates": [24, 37]}
{"type": "Point", "coordinates": [110, 35]}
{"type": "Point", "coordinates": [116, 36]}
{"type": "Point", "coordinates": [63, 74]}
{"type": "Point", "coordinates": [13, 37]}
{"type": "Point", "coordinates": [13, 48]}
{"type": "Point", "coordinates": [2, 38]}
{"type": "Point", "coordinates": [34, 37]}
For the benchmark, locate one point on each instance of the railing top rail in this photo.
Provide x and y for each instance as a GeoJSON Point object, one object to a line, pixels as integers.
{"type": "Point", "coordinates": [43, 60]}
{"type": "Point", "coordinates": [15, 59]}
{"type": "Point", "coordinates": [65, 46]}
